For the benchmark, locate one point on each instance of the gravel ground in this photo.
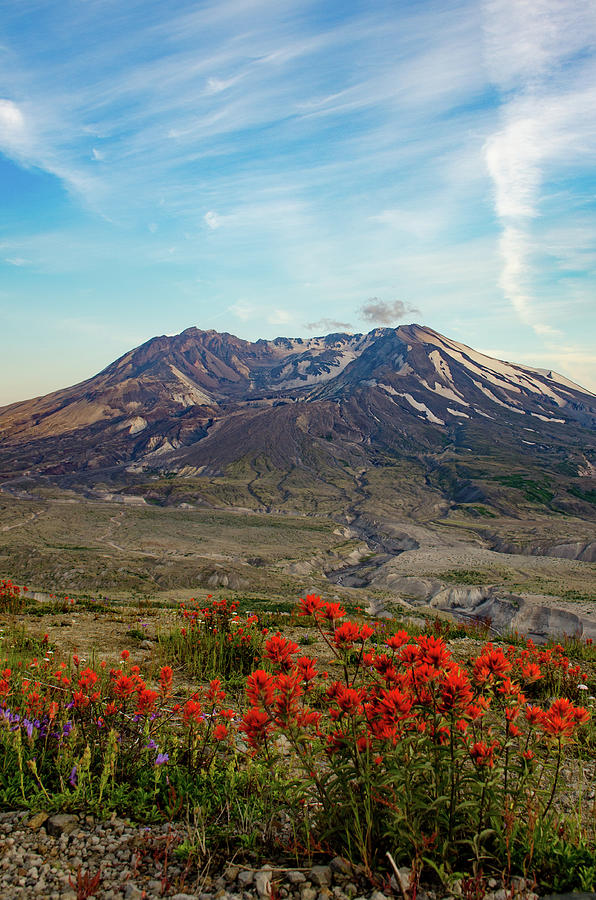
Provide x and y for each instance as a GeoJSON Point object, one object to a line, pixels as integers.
{"type": "Point", "coordinates": [42, 855]}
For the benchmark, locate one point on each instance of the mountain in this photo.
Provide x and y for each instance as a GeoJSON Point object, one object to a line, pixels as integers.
{"type": "Point", "coordinates": [300, 423]}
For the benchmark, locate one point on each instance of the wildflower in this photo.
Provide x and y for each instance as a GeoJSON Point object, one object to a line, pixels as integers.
{"type": "Point", "coordinates": [288, 693]}
{"type": "Point", "coordinates": [215, 695]}
{"type": "Point", "coordinates": [310, 605]}
{"type": "Point", "coordinates": [534, 715]}
{"type": "Point", "coordinates": [124, 686]}
{"type": "Point", "coordinates": [166, 676]}
{"type": "Point", "coordinates": [455, 691]}
{"type": "Point", "coordinates": [220, 732]}
{"type": "Point", "coordinates": [562, 718]}
{"type": "Point", "coordinates": [280, 651]}
{"type": "Point", "coordinates": [433, 651]}
{"type": "Point", "coordinates": [306, 667]}
{"type": "Point", "coordinates": [397, 640]}
{"type": "Point", "coordinates": [73, 777]}
{"type": "Point", "coordinates": [333, 611]}
{"type": "Point", "coordinates": [161, 759]}
{"type": "Point", "coordinates": [192, 712]}
{"type": "Point", "coordinates": [482, 754]}
{"type": "Point", "coordinates": [256, 725]}
{"type": "Point", "coordinates": [145, 701]}
{"type": "Point", "coordinates": [124, 655]}
{"type": "Point", "coordinates": [491, 664]}
{"type": "Point", "coordinates": [260, 688]}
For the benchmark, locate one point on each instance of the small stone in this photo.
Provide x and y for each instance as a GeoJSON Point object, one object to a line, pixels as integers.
{"type": "Point", "coordinates": [132, 892]}
{"type": "Point", "coordinates": [263, 882]}
{"type": "Point", "coordinates": [37, 821]}
{"type": "Point", "coordinates": [184, 897]}
{"type": "Point", "coordinates": [377, 895]}
{"type": "Point", "coordinates": [68, 895]}
{"type": "Point", "coordinates": [231, 873]}
{"type": "Point", "coordinates": [350, 890]}
{"type": "Point", "coordinates": [146, 645]}
{"type": "Point", "coordinates": [341, 866]}
{"type": "Point", "coordinates": [501, 894]}
{"type": "Point", "coordinates": [307, 892]}
{"type": "Point", "coordinates": [245, 877]}
{"type": "Point", "coordinates": [62, 824]}
{"type": "Point", "coordinates": [295, 877]}
{"type": "Point", "coordinates": [321, 875]}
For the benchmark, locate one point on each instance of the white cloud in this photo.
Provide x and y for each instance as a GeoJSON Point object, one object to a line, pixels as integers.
{"type": "Point", "coordinates": [548, 124]}
{"type": "Point", "coordinates": [242, 310]}
{"type": "Point", "coordinates": [280, 317]}
{"type": "Point", "coordinates": [212, 220]}
{"type": "Point", "coordinates": [17, 261]}
{"type": "Point", "coordinates": [97, 155]}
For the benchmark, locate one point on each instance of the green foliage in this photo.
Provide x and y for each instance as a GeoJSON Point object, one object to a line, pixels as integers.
{"type": "Point", "coordinates": [534, 491]}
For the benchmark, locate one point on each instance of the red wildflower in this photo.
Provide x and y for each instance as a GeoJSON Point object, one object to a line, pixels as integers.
{"type": "Point", "coordinates": [145, 701]}
{"type": "Point", "coordinates": [333, 611]}
{"type": "Point", "coordinates": [280, 651]}
{"type": "Point", "coordinates": [166, 676]}
{"type": "Point", "coordinates": [490, 664]}
{"type": "Point", "coordinates": [191, 712]}
{"type": "Point", "coordinates": [214, 694]}
{"type": "Point", "coordinates": [456, 693]}
{"type": "Point", "coordinates": [433, 651]}
{"type": "Point", "coordinates": [397, 640]}
{"type": "Point", "coordinates": [220, 732]}
{"type": "Point", "coordinates": [87, 679]}
{"type": "Point", "coordinates": [124, 686]}
{"type": "Point", "coordinates": [306, 668]}
{"type": "Point", "coordinates": [482, 754]}
{"type": "Point", "coordinates": [260, 688]}
{"type": "Point", "coordinates": [256, 725]}
{"type": "Point", "coordinates": [125, 654]}
{"type": "Point", "coordinates": [534, 715]}
{"type": "Point", "coordinates": [310, 605]}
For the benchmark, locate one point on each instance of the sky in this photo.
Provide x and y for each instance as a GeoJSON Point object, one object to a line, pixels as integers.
{"type": "Point", "coordinates": [274, 167]}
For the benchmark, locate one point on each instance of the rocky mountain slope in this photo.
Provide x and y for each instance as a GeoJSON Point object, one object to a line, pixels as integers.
{"type": "Point", "coordinates": [403, 421]}
{"type": "Point", "coordinates": [213, 397]}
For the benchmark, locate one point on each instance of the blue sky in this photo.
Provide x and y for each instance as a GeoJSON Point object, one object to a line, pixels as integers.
{"type": "Point", "coordinates": [266, 167]}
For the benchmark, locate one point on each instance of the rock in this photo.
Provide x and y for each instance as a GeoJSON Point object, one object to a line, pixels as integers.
{"type": "Point", "coordinates": [245, 877]}
{"type": "Point", "coordinates": [377, 895]}
{"type": "Point", "coordinates": [132, 892]}
{"type": "Point", "coordinates": [341, 866]}
{"type": "Point", "coordinates": [231, 873]}
{"type": "Point", "coordinates": [263, 882]}
{"type": "Point", "coordinates": [321, 875]}
{"type": "Point", "coordinates": [62, 824]}
{"type": "Point", "coordinates": [183, 897]}
{"type": "Point", "coordinates": [37, 821]}
{"type": "Point", "coordinates": [146, 645]}
{"type": "Point", "coordinates": [307, 892]}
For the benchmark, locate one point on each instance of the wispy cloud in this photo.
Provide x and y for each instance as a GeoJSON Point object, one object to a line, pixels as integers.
{"type": "Point", "coordinates": [262, 165]}
{"type": "Point", "coordinates": [536, 54]}
{"type": "Point", "coordinates": [328, 326]}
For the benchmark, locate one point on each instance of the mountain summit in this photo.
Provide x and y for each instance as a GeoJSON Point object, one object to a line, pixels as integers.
{"type": "Point", "coordinates": [201, 401]}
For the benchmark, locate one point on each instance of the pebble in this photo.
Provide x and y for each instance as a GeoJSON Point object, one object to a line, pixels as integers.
{"type": "Point", "coordinates": [40, 857]}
